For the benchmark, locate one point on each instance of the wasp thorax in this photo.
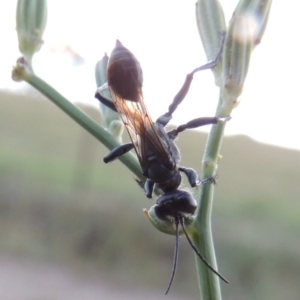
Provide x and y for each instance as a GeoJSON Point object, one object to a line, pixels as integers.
{"type": "Point", "coordinates": [124, 74]}
{"type": "Point", "coordinates": [175, 204]}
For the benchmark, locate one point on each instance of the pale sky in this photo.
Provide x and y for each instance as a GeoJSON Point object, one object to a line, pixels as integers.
{"type": "Point", "coordinates": [163, 36]}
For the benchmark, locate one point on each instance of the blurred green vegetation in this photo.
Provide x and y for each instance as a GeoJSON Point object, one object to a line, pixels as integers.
{"type": "Point", "coordinates": [59, 202]}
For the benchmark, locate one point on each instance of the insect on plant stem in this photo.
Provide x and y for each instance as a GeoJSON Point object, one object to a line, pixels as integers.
{"type": "Point", "coordinates": [155, 148]}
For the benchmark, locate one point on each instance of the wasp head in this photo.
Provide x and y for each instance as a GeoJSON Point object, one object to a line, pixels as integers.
{"type": "Point", "coordinates": [175, 204]}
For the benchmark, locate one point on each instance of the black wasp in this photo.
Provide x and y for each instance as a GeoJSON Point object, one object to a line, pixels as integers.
{"type": "Point", "coordinates": [155, 148]}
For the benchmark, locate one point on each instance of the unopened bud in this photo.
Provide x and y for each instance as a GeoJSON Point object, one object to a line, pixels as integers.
{"type": "Point", "coordinates": [258, 11]}
{"type": "Point", "coordinates": [211, 23]}
{"type": "Point", "coordinates": [245, 29]}
{"type": "Point", "coordinates": [110, 119]}
{"type": "Point", "coordinates": [31, 18]}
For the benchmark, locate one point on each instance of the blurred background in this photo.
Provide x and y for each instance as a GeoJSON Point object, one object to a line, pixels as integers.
{"type": "Point", "coordinates": [72, 227]}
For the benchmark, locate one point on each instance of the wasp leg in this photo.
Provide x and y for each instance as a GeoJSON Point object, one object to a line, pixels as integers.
{"type": "Point", "coordinates": [149, 187]}
{"type": "Point", "coordinates": [105, 101]}
{"type": "Point", "coordinates": [185, 88]}
{"type": "Point", "coordinates": [192, 124]}
{"type": "Point", "coordinates": [191, 175]}
{"type": "Point", "coordinates": [164, 119]}
{"type": "Point", "coordinates": [212, 180]}
{"type": "Point", "coordinates": [118, 151]}
{"type": "Point", "coordinates": [197, 123]}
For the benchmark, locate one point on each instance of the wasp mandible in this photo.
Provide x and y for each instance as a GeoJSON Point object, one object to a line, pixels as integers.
{"type": "Point", "coordinates": [155, 148]}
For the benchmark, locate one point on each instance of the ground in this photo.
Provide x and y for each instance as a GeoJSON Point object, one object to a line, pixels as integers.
{"type": "Point", "coordinates": [23, 279]}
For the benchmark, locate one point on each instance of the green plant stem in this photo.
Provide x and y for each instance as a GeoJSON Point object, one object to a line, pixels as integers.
{"type": "Point", "coordinates": [83, 120]}
{"type": "Point", "coordinates": [202, 234]}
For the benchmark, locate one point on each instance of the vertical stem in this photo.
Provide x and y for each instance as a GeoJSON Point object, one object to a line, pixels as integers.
{"type": "Point", "coordinates": [202, 234]}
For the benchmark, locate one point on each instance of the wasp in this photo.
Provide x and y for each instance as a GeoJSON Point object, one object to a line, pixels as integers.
{"type": "Point", "coordinates": [155, 148]}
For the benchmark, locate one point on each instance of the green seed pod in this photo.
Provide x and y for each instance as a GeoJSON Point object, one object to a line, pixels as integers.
{"type": "Point", "coordinates": [211, 23]}
{"type": "Point", "coordinates": [110, 119]}
{"type": "Point", "coordinates": [31, 19]}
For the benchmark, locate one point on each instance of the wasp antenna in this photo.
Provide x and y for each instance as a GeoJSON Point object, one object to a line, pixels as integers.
{"type": "Point", "coordinates": [175, 256]}
{"type": "Point", "coordinates": [181, 220]}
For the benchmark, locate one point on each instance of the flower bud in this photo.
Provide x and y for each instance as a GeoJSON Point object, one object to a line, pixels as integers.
{"type": "Point", "coordinates": [237, 52]}
{"type": "Point", "coordinates": [258, 11]}
{"type": "Point", "coordinates": [31, 18]}
{"type": "Point", "coordinates": [110, 119]}
{"type": "Point", "coordinates": [245, 30]}
{"type": "Point", "coordinates": [211, 23]}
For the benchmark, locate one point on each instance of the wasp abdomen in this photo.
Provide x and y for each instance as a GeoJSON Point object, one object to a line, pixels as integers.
{"type": "Point", "coordinates": [124, 74]}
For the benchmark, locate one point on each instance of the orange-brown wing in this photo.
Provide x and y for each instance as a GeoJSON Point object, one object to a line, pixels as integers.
{"type": "Point", "coordinates": [141, 130]}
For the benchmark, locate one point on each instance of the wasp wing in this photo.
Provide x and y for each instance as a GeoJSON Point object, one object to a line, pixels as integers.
{"type": "Point", "coordinates": [142, 132]}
